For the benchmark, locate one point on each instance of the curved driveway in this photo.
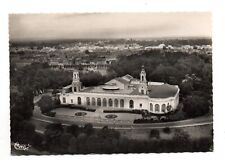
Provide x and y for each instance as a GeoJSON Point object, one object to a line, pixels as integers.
{"type": "Point", "coordinates": [99, 123]}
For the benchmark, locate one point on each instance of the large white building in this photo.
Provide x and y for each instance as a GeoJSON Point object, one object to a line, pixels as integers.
{"type": "Point", "coordinates": [123, 93]}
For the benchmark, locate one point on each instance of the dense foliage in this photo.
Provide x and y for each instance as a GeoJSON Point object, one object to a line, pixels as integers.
{"type": "Point", "coordinates": [85, 140]}
{"type": "Point", "coordinates": [195, 105]}
{"type": "Point", "coordinates": [46, 104]}
{"type": "Point", "coordinates": [39, 77]}
{"type": "Point", "coordinates": [169, 67]}
{"type": "Point", "coordinates": [21, 108]}
{"type": "Point", "coordinates": [192, 72]}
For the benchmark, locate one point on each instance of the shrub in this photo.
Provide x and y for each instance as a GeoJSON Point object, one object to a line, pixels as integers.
{"type": "Point", "coordinates": [88, 129]}
{"type": "Point", "coordinates": [167, 130]}
{"type": "Point", "coordinates": [73, 129]}
{"type": "Point", "coordinates": [195, 105]}
{"type": "Point", "coordinates": [46, 104]}
{"type": "Point", "coordinates": [50, 114]}
{"type": "Point", "coordinates": [154, 133]}
{"type": "Point", "coordinates": [134, 111]}
{"type": "Point", "coordinates": [55, 91]}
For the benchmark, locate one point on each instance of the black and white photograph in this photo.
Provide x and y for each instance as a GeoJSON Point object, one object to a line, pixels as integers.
{"type": "Point", "coordinates": [110, 83]}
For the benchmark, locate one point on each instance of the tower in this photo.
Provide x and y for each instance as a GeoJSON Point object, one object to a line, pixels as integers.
{"type": "Point", "coordinates": [143, 82]}
{"type": "Point", "coordinates": [76, 84]}
{"type": "Point", "coordinates": [143, 75]}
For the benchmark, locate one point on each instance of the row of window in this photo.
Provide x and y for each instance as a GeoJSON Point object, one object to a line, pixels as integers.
{"type": "Point", "coordinates": [104, 102]}
{"type": "Point", "coordinates": [164, 108]}
{"type": "Point", "coordinates": [118, 103]}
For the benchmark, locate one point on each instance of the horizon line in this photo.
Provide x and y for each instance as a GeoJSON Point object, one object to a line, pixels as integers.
{"type": "Point", "coordinates": [128, 38]}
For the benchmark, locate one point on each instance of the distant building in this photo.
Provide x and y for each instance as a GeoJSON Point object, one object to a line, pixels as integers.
{"type": "Point", "coordinates": [159, 47]}
{"type": "Point", "coordinates": [123, 93]}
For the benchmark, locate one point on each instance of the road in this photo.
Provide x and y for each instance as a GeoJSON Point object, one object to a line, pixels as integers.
{"type": "Point", "coordinates": [199, 121]}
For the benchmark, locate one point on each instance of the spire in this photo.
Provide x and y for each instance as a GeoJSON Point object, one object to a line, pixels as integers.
{"type": "Point", "coordinates": [143, 74]}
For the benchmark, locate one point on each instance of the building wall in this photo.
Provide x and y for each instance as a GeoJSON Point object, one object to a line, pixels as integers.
{"type": "Point", "coordinates": [140, 101]}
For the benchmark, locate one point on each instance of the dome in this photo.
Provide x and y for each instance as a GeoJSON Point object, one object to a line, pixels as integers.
{"type": "Point", "coordinates": [110, 87]}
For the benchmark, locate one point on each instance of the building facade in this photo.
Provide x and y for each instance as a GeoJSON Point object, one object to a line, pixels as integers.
{"type": "Point", "coordinates": [123, 93]}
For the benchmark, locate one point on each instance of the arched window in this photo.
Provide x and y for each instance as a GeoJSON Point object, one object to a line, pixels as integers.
{"type": "Point", "coordinates": [131, 104]}
{"type": "Point", "coordinates": [64, 100]}
{"type": "Point", "coordinates": [88, 101]}
{"type": "Point", "coordinates": [169, 107]}
{"type": "Point", "coordinates": [93, 101]}
{"type": "Point", "coordinates": [151, 107]}
{"type": "Point", "coordinates": [121, 103]}
{"type": "Point", "coordinates": [116, 103]}
{"type": "Point", "coordinates": [156, 107]}
{"type": "Point", "coordinates": [104, 102]}
{"type": "Point", "coordinates": [110, 102]}
{"type": "Point", "coordinates": [78, 100]}
{"type": "Point", "coordinates": [99, 103]}
{"type": "Point", "coordinates": [163, 108]}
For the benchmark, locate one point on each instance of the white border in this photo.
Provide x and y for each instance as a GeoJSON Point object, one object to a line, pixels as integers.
{"type": "Point", "coordinates": [65, 6]}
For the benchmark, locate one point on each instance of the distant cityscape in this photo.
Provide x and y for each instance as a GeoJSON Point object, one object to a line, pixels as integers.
{"type": "Point", "coordinates": [88, 55]}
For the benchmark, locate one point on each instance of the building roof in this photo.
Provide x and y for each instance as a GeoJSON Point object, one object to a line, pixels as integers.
{"type": "Point", "coordinates": [100, 89]}
{"type": "Point", "coordinates": [155, 89]}
{"type": "Point", "coordinates": [162, 91]}
{"type": "Point", "coordinates": [127, 77]}
{"type": "Point", "coordinates": [122, 80]}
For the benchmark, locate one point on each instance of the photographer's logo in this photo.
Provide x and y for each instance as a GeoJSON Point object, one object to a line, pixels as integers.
{"type": "Point", "coordinates": [23, 147]}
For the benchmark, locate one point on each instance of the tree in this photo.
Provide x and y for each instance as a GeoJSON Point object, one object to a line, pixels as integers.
{"type": "Point", "coordinates": [105, 132]}
{"type": "Point", "coordinates": [163, 73]}
{"type": "Point", "coordinates": [21, 104]}
{"type": "Point", "coordinates": [154, 133]}
{"type": "Point", "coordinates": [53, 130]}
{"type": "Point", "coordinates": [182, 140]}
{"type": "Point", "coordinates": [94, 144]}
{"type": "Point", "coordinates": [72, 145]}
{"type": "Point", "coordinates": [52, 134]}
{"type": "Point", "coordinates": [73, 129]}
{"type": "Point", "coordinates": [195, 105]}
{"type": "Point", "coordinates": [167, 130]}
{"type": "Point", "coordinates": [46, 103]}
{"type": "Point", "coordinates": [64, 142]}
{"type": "Point", "coordinates": [55, 91]}
{"type": "Point", "coordinates": [92, 79]}
{"type": "Point", "coordinates": [186, 86]}
{"type": "Point", "coordinates": [88, 129]}
{"type": "Point", "coordinates": [37, 141]}
{"type": "Point", "coordinates": [22, 132]}
{"type": "Point", "coordinates": [87, 52]}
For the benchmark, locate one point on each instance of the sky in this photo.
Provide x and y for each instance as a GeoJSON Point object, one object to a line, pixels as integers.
{"type": "Point", "coordinates": [109, 25]}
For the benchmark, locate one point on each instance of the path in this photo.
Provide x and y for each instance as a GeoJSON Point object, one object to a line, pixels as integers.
{"type": "Point", "coordinates": [199, 121]}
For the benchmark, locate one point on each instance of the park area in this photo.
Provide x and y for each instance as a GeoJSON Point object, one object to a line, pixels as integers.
{"type": "Point", "coordinates": [197, 128]}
